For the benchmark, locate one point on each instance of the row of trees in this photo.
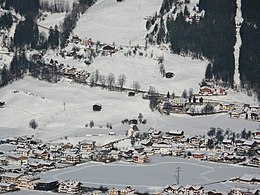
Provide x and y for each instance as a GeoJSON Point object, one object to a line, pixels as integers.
{"type": "Point", "coordinates": [109, 81]}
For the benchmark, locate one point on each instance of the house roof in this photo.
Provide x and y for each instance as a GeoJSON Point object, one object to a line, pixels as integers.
{"type": "Point", "coordinates": [11, 175]}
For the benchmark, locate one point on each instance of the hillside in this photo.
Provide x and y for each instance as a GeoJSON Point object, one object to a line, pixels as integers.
{"type": "Point", "coordinates": [44, 102]}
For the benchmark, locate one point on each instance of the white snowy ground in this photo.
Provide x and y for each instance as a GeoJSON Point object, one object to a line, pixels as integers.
{"type": "Point", "coordinates": [153, 176]}
{"type": "Point", "coordinates": [120, 22]}
{"type": "Point", "coordinates": [43, 102]}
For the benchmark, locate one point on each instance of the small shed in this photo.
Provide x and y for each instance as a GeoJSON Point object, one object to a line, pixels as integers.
{"type": "Point", "coordinates": [97, 107]}
{"type": "Point", "coordinates": [169, 75]}
{"type": "Point", "coordinates": [131, 93]}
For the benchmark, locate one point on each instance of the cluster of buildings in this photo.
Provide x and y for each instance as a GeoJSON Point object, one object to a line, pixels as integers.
{"type": "Point", "coordinates": [23, 158]}
{"type": "Point", "coordinates": [247, 112]}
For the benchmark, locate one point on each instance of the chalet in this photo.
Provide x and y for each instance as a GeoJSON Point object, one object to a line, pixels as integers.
{"type": "Point", "coordinates": [249, 178]}
{"type": "Point", "coordinates": [108, 49]}
{"type": "Point", "coordinates": [72, 158]}
{"type": "Point", "coordinates": [220, 91]}
{"type": "Point", "coordinates": [234, 159]}
{"type": "Point", "coordinates": [16, 159]}
{"type": "Point", "coordinates": [169, 75]}
{"type": "Point", "coordinates": [23, 151]}
{"type": "Point", "coordinates": [178, 102]}
{"type": "Point", "coordinates": [206, 90]}
{"type": "Point", "coordinates": [140, 159]}
{"type": "Point", "coordinates": [27, 182]}
{"type": "Point", "coordinates": [177, 152]}
{"type": "Point", "coordinates": [198, 190]}
{"type": "Point", "coordinates": [127, 190]}
{"type": "Point", "coordinates": [86, 147]}
{"type": "Point", "coordinates": [112, 191]}
{"type": "Point", "coordinates": [198, 155]}
{"type": "Point", "coordinates": [131, 93]}
{"type": "Point", "coordinates": [10, 177]}
{"type": "Point", "coordinates": [133, 131]}
{"type": "Point", "coordinates": [176, 135]}
{"type": "Point", "coordinates": [174, 189]}
{"type": "Point", "coordinates": [70, 71]}
{"type": "Point", "coordinates": [214, 192]}
{"type": "Point", "coordinates": [70, 187]}
{"type": "Point", "coordinates": [250, 143]}
{"type": "Point", "coordinates": [6, 187]}
{"type": "Point", "coordinates": [147, 143]}
{"type": "Point", "coordinates": [41, 154]}
{"type": "Point", "coordinates": [243, 191]}
{"type": "Point", "coordinates": [55, 147]}
{"type": "Point", "coordinates": [255, 161]}
{"type": "Point", "coordinates": [162, 148]}
{"type": "Point", "coordinates": [97, 107]}
{"type": "Point", "coordinates": [156, 134]}
{"type": "Point", "coordinates": [44, 185]}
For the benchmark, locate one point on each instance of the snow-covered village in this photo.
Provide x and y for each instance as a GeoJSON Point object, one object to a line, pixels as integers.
{"type": "Point", "coordinates": [118, 97]}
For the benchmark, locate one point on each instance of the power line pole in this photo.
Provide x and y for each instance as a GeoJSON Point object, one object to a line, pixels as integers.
{"type": "Point", "coordinates": [178, 170]}
{"type": "Point", "coordinates": [64, 106]}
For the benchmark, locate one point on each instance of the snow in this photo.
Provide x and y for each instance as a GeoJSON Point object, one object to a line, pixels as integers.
{"type": "Point", "coordinates": [43, 102]}
{"type": "Point", "coordinates": [192, 172]}
{"type": "Point", "coordinates": [120, 22]}
{"type": "Point", "coordinates": [237, 46]}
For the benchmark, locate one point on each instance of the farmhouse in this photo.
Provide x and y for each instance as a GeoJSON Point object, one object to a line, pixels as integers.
{"type": "Point", "coordinates": [70, 187]}
{"type": "Point", "coordinates": [10, 177]}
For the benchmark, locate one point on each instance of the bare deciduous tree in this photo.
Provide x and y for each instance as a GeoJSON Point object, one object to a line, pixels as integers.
{"type": "Point", "coordinates": [136, 85]}
{"type": "Point", "coordinates": [110, 80]}
{"type": "Point", "coordinates": [121, 80]}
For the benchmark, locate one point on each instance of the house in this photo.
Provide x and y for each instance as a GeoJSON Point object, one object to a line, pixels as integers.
{"type": "Point", "coordinates": [27, 182]}
{"type": "Point", "coordinates": [16, 159]}
{"type": "Point", "coordinates": [133, 131]}
{"type": "Point", "coordinates": [10, 177]}
{"type": "Point", "coordinates": [70, 187]}
{"type": "Point", "coordinates": [97, 107]}
{"type": "Point", "coordinates": [176, 135]}
{"type": "Point", "coordinates": [69, 71]}
{"type": "Point", "coordinates": [112, 191]}
{"type": "Point", "coordinates": [108, 49]}
{"type": "Point", "coordinates": [72, 158]}
{"type": "Point", "coordinates": [174, 189]}
{"type": "Point", "coordinates": [162, 148]}
{"type": "Point", "coordinates": [206, 90]}
{"type": "Point", "coordinates": [86, 147]}
{"type": "Point", "coordinates": [213, 192]}
{"type": "Point", "coordinates": [6, 187]}
{"type": "Point", "coordinates": [255, 161]}
{"type": "Point", "coordinates": [198, 190]}
{"type": "Point", "coordinates": [127, 190]}
{"type": "Point", "coordinates": [97, 192]}
{"type": "Point", "coordinates": [169, 75]}
{"type": "Point", "coordinates": [44, 185]}
{"type": "Point", "coordinates": [140, 159]}
{"type": "Point", "coordinates": [198, 155]}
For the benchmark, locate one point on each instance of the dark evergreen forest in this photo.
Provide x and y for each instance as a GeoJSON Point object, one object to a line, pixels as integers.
{"type": "Point", "coordinates": [213, 36]}
{"type": "Point", "coordinates": [250, 51]}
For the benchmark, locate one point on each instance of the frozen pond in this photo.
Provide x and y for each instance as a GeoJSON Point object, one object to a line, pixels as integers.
{"type": "Point", "coordinates": [155, 175]}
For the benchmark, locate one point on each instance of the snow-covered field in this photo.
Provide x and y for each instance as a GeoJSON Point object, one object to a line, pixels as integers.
{"type": "Point", "coordinates": [44, 101]}
{"type": "Point", "coordinates": [152, 176]}
{"type": "Point", "coordinates": [120, 22]}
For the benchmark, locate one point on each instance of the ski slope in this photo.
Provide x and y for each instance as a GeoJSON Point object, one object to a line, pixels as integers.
{"type": "Point", "coordinates": [123, 23]}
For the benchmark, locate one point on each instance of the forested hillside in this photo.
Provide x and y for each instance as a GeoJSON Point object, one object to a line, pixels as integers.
{"type": "Point", "coordinates": [207, 29]}
{"type": "Point", "coordinates": [211, 36]}
{"type": "Point", "coordinates": [250, 50]}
